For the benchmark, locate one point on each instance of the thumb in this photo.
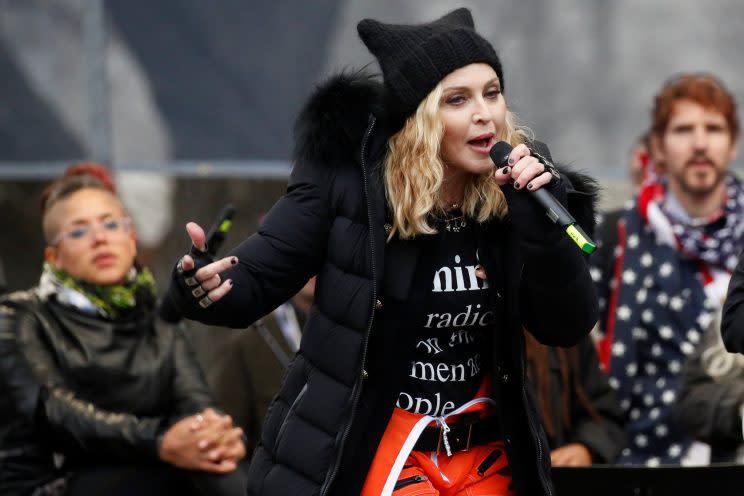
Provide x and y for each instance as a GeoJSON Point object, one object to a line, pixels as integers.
{"type": "Point", "coordinates": [196, 233]}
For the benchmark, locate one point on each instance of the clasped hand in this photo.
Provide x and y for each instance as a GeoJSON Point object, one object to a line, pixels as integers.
{"type": "Point", "coordinates": [206, 441]}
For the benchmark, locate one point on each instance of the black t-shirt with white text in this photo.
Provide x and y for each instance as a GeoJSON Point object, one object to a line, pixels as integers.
{"type": "Point", "coordinates": [454, 326]}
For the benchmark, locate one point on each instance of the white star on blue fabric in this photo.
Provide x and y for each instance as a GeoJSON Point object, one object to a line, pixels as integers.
{"type": "Point", "coordinates": [676, 303]}
{"type": "Point", "coordinates": [639, 334]}
{"type": "Point", "coordinates": [653, 462]}
{"type": "Point", "coordinates": [687, 348]}
{"type": "Point", "coordinates": [665, 270]}
{"type": "Point", "coordinates": [661, 430]}
{"type": "Point", "coordinates": [633, 241]}
{"type": "Point", "coordinates": [641, 295]}
{"type": "Point", "coordinates": [647, 259]}
{"type": "Point", "coordinates": [618, 348]}
{"type": "Point", "coordinates": [647, 316]}
{"type": "Point", "coordinates": [624, 312]}
{"type": "Point", "coordinates": [662, 299]}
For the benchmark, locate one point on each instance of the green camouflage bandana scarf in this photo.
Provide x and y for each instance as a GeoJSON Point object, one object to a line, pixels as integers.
{"type": "Point", "coordinates": [111, 301]}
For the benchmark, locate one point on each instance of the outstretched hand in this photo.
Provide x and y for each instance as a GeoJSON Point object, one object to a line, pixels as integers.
{"type": "Point", "coordinates": [204, 284]}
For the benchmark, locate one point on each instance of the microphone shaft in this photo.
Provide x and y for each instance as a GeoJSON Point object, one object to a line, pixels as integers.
{"type": "Point", "coordinates": [559, 215]}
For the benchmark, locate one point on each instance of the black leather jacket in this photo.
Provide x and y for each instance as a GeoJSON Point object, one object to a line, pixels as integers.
{"type": "Point", "coordinates": [92, 389]}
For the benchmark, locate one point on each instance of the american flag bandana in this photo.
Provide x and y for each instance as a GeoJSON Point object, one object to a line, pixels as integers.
{"type": "Point", "coordinates": [658, 295]}
{"type": "Point", "coordinates": [707, 240]}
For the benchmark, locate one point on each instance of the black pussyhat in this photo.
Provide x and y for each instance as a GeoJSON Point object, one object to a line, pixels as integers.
{"type": "Point", "coordinates": [414, 58]}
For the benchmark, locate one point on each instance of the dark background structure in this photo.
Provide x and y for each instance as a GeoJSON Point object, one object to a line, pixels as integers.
{"type": "Point", "coordinates": [192, 103]}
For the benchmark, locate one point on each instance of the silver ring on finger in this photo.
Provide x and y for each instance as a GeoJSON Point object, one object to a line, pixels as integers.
{"type": "Point", "coordinates": [191, 281]}
{"type": "Point", "coordinates": [554, 174]}
{"type": "Point", "coordinates": [198, 291]}
{"type": "Point", "coordinates": [205, 302]}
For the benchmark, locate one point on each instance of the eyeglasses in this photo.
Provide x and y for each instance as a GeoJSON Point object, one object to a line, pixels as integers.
{"type": "Point", "coordinates": [109, 226]}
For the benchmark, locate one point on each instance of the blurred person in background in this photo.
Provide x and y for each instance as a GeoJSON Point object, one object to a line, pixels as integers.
{"type": "Point", "coordinates": [640, 169]}
{"type": "Point", "coordinates": [640, 163]}
{"type": "Point", "coordinates": [662, 282]}
{"type": "Point", "coordinates": [250, 364]}
{"type": "Point", "coordinates": [711, 397]}
{"type": "Point", "coordinates": [88, 373]}
{"type": "Point", "coordinates": [580, 413]}
{"type": "Point", "coordinates": [430, 262]}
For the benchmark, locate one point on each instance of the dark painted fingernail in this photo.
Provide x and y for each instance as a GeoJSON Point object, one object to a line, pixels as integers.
{"type": "Point", "coordinates": [229, 282]}
{"type": "Point", "coordinates": [511, 161]}
{"type": "Point", "coordinates": [233, 260]}
{"type": "Point", "coordinates": [516, 185]}
{"type": "Point", "coordinates": [529, 185]}
{"type": "Point", "coordinates": [505, 170]}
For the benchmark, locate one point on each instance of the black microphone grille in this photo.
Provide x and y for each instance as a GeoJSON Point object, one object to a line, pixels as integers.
{"type": "Point", "coordinates": [500, 153]}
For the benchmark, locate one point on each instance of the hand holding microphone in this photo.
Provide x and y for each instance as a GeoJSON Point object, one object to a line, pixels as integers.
{"type": "Point", "coordinates": [500, 153]}
{"type": "Point", "coordinates": [219, 229]}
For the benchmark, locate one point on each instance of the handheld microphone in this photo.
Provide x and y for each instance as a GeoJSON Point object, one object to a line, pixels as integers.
{"type": "Point", "coordinates": [218, 231]}
{"type": "Point", "coordinates": [553, 208]}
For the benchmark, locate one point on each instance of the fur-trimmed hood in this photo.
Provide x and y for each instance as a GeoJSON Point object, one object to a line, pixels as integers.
{"type": "Point", "coordinates": [331, 125]}
{"type": "Point", "coordinates": [330, 129]}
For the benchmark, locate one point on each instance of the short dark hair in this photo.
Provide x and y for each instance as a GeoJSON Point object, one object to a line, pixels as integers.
{"type": "Point", "coordinates": [701, 88]}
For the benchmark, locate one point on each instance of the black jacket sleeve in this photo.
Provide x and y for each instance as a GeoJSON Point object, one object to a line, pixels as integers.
{"type": "Point", "coordinates": [71, 425]}
{"type": "Point", "coordinates": [559, 300]}
{"type": "Point", "coordinates": [605, 436]}
{"type": "Point", "coordinates": [732, 325]}
{"type": "Point", "coordinates": [708, 406]}
{"type": "Point", "coordinates": [190, 391]}
{"type": "Point", "coordinates": [275, 262]}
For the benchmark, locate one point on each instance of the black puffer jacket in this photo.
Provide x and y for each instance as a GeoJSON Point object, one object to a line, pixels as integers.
{"type": "Point", "coordinates": [96, 390]}
{"type": "Point", "coordinates": [322, 429]}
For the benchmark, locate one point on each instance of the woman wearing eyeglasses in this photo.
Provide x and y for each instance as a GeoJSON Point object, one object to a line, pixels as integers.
{"type": "Point", "coordinates": [86, 370]}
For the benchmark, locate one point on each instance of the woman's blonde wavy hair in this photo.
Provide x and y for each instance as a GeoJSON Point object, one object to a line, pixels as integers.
{"type": "Point", "coordinates": [414, 173]}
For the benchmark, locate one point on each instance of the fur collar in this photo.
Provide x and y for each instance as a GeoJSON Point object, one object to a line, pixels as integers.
{"type": "Point", "coordinates": [330, 127]}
